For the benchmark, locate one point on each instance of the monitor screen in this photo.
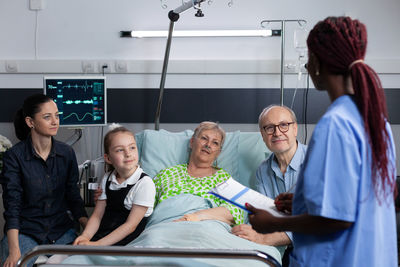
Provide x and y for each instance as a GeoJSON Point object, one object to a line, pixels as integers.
{"type": "Point", "coordinates": [81, 101]}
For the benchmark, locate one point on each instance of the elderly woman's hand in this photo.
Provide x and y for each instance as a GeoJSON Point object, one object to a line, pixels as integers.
{"type": "Point", "coordinates": [247, 232]}
{"type": "Point", "coordinates": [191, 217]}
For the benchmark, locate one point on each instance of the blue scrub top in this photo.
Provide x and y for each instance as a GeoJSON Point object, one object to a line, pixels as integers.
{"type": "Point", "coordinates": [336, 183]}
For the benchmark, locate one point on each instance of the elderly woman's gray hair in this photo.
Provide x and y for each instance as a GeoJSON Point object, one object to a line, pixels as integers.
{"type": "Point", "coordinates": [209, 125]}
{"type": "Point", "coordinates": [265, 110]}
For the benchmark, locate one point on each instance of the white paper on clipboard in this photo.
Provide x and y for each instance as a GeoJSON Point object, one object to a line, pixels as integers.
{"type": "Point", "coordinates": [238, 194]}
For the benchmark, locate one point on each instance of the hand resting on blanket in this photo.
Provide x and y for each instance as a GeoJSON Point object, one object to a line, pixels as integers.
{"type": "Point", "coordinates": [219, 213]}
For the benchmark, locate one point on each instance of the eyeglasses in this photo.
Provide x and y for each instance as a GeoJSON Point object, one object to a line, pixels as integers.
{"type": "Point", "coordinates": [283, 127]}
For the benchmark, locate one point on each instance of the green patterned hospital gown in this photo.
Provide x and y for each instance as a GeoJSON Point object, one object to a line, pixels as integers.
{"type": "Point", "coordinates": [176, 180]}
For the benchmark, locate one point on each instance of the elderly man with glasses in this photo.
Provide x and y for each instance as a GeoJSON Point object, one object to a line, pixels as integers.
{"type": "Point", "coordinates": [278, 173]}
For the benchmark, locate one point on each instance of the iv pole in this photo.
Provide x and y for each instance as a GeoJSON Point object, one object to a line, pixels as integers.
{"type": "Point", "coordinates": [283, 25]}
{"type": "Point", "coordinates": [173, 16]}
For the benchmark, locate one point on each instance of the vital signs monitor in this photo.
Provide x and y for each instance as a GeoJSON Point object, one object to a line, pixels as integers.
{"type": "Point", "coordinates": [81, 101]}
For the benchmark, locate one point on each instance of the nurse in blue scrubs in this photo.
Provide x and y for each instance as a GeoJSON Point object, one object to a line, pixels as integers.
{"type": "Point", "coordinates": [343, 208]}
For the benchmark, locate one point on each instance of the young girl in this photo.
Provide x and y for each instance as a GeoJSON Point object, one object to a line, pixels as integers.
{"type": "Point", "coordinates": [127, 197]}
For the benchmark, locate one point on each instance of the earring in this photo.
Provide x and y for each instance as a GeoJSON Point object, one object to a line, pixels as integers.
{"type": "Point", "coordinates": [317, 73]}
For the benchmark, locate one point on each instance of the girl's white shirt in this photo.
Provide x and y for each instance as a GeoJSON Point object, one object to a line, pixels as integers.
{"type": "Point", "coordinates": [142, 193]}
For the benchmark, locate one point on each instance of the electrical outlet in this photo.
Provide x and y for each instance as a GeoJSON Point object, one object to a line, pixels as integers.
{"type": "Point", "coordinates": [121, 66]}
{"type": "Point", "coordinates": [11, 66]}
{"type": "Point", "coordinates": [36, 4]}
{"type": "Point", "coordinates": [104, 66]}
{"type": "Point", "coordinates": [88, 66]}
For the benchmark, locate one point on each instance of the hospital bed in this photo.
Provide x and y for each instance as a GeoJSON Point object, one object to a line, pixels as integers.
{"type": "Point", "coordinates": [184, 244]}
{"type": "Point", "coordinates": [151, 252]}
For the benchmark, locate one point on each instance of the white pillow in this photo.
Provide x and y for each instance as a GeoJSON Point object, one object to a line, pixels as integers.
{"type": "Point", "coordinates": [163, 149]}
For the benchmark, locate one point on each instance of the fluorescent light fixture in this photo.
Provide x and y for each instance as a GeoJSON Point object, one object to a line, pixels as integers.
{"type": "Point", "coordinates": [203, 33]}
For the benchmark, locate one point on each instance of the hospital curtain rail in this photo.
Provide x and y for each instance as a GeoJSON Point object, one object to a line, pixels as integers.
{"type": "Point", "coordinates": [154, 252]}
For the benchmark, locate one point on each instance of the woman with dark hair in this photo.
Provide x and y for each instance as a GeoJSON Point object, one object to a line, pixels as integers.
{"type": "Point", "coordinates": [39, 181]}
{"type": "Point", "coordinates": [343, 210]}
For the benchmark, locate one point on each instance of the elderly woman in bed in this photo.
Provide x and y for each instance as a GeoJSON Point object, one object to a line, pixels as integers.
{"type": "Point", "coordinates": [199, 176]}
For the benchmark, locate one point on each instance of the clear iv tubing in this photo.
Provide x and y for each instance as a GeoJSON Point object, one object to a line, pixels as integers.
{"type": "Point", "coordinates": [299, 74]}
{"type": "Point", "coordinates": [295, 89]}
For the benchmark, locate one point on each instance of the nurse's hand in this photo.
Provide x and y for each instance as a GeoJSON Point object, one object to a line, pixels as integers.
{"type": "Point", "coordinates": [283, 202]}
{"type": "Point", "coordinates": [261, 220]}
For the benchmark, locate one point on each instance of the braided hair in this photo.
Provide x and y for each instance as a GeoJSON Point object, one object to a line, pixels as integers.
{"type": "Point", "coordinates": [340, 44]}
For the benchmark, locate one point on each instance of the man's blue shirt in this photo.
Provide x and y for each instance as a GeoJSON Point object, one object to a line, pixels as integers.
{"type": "Point", "coordinates": [269, 178]}
{"type": "Point", "coordinates": [271, 182]}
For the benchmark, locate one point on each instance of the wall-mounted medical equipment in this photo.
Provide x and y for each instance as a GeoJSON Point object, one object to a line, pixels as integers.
{"type": "Point", "coordinates": [81, 101]}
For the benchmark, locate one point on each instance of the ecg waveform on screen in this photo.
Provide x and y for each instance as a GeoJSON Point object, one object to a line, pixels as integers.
{"type": "Point", "coordinates": [82, 110]}
{"type": "Point", "coordinates": [77, 117]}
{"type": "Point", "coordinates": [79, 101]}
{"type": "Point", "coordinates": [84, 86]}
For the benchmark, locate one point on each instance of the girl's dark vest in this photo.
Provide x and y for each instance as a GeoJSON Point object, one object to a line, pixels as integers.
{"type": "Point", "coordinates": [116, 214]}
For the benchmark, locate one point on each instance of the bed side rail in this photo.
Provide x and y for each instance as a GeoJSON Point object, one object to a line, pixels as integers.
{"type": "Point", "coordinates": [142, 251]}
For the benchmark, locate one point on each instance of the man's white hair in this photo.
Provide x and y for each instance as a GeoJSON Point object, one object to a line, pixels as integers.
{"type": "Point", "coordinates": [265, 111]}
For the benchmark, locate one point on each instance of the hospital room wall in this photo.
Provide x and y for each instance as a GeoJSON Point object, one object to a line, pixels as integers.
{"type": "Point", "coordinates": [79, 30]}
{"type": "Point", "coordinates": [65, 34]}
